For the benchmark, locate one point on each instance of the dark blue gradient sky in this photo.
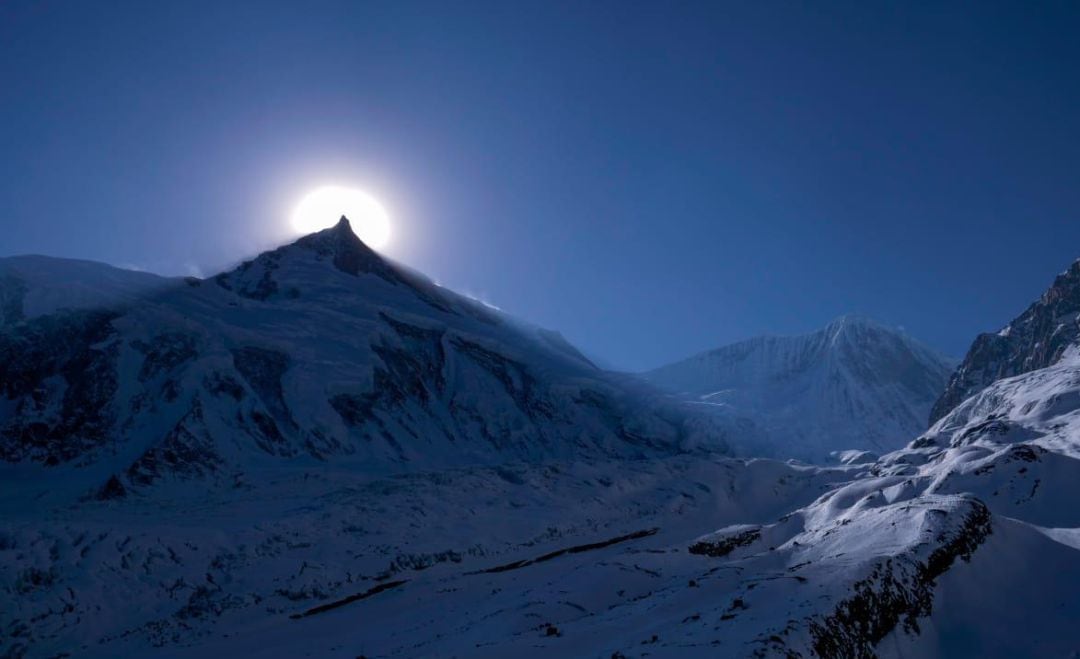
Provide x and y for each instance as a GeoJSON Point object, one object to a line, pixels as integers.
{"type": "Point", "coordinates": [650, 179]}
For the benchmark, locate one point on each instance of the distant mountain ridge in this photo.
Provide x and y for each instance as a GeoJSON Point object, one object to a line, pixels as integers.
{"type": "Point", "coordinates": [854, 384]}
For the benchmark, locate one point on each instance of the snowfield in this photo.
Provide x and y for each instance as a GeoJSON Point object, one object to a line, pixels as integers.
{"type": "Point", "coordinates": [320, 453]}
{"type": "Point", "coordinates": [200, 574]}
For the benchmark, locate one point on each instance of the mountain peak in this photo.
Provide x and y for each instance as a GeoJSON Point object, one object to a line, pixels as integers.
{"type": "Point", "coordinates": [855, 383]}
{"type": "Point", "coordinates": [271, 273]}
{"type": "Point", "coordinates": [343, 229]}
{"type": "Point", "coordinates": [852, 325]}
{"type": "Point", "coordinates": [853, 319]}
{"type": "Point", "coordinates": [1066, 285]}
{"type": "Point", "coordinates": [348, 253]}
{"type": "Point", "coordinates": [338, 246]}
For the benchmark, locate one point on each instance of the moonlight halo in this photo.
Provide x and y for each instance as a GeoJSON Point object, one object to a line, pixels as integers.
{"type": "Point", "coordinates": [323, 207]}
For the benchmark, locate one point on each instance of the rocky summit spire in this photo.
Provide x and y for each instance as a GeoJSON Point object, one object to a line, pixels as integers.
{"type": "Point", "coordinates": [272, 273]}
{"type": "Point", "coordinates": [345, 249]}
{"type": "Point", "coordinates": [343, 229]}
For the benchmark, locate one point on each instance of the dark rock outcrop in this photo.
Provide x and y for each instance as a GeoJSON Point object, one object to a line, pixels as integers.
{"type": "Point", "coordinates": [899, 591]}
{"type": "Point", "coordinates": [60, 373]}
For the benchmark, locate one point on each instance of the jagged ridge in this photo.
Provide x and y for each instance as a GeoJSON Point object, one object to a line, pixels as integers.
{"type": "Point", "coordinates": [1035, 339]}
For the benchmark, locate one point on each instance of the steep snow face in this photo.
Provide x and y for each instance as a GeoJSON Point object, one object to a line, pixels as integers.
{"type": "Point", "coordinates": [1035, 339]}
{"type": "Point", "coordinates": [32, 286]}
{"type": "Point", "coordinates": [320, 350]}
{"type": "Point", "coordinates": [853, 385]}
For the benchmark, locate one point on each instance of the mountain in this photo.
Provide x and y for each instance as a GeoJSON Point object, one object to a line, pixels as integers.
{"type": "Point", "coordinates": [854, 384]}
{"type": "Point", "coordinates": [321, 453]}
{"type": "Point", "coordinates": [320, 350]}
{"type": "Point", "coordinates": [938, 549]}
{"type": "Point", "coordinates": [202, 453]}
{"type": "Point", "coordinates": [1035, 339]}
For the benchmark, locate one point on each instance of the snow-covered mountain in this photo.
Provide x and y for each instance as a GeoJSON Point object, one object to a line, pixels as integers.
{"type": "Point", "coordinates": [965, 543]}
{"type": "Point", "coordinates": [320, 350]}
{"type": "Point", "coordinates": [854, 384]}
{"type": "Point", "coordinates": [320, 453]}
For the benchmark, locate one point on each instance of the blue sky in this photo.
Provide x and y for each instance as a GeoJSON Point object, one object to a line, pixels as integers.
{"type": "Point", "coordinates": [651, 179]}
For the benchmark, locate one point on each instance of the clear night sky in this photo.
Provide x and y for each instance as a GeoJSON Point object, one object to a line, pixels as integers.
{"type": "Point", "coordinates": [651, 181]}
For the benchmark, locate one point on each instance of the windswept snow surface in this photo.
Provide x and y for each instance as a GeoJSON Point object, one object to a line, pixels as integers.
{"type": "Point", "coordinates": [854, 384]}
{"type": "Point", "coordinates": [32, 286]}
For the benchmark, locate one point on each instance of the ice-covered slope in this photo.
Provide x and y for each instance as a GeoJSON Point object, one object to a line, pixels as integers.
{"type": "Point", "coordinates": [855, 384]}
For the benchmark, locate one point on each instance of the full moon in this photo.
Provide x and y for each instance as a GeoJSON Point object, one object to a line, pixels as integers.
{"type": "Point", "coordinates": [323, 207]}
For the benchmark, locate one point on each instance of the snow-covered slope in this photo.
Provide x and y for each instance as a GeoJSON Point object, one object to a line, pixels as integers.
{"type": "Point", "coordinates": [966, 543]}
{"type": "Point", "coordinates": [855, 384]}
{"type": "Point", "coordinates": [236, 572]}
{"type": "Point", "coordinates": [320, 350]}
{"type": "Point", "coordinates": [32, 286]}
{"type": "Point", "coordinates": [318, 395]}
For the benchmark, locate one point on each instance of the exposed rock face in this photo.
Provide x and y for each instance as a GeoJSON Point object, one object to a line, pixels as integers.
{"type": "Point", "coordinates": [58, 375]}
{"type": "Point", "coordinates": [1035, 339]}
{"type": "Point", "coordinates": [347, 252]}
{"type": "Point", "coordinates": [12, 293]}
{"type": "Point", "coordinates": [855, 384]}
{"type": "Point", "coordinates": [900, 590]}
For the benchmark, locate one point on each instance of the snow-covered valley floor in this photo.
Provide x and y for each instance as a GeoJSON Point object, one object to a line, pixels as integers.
{"type": "Point", "coordinates": [926, 552]}
{"type": "Point", "coordinates": [230, 569]}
